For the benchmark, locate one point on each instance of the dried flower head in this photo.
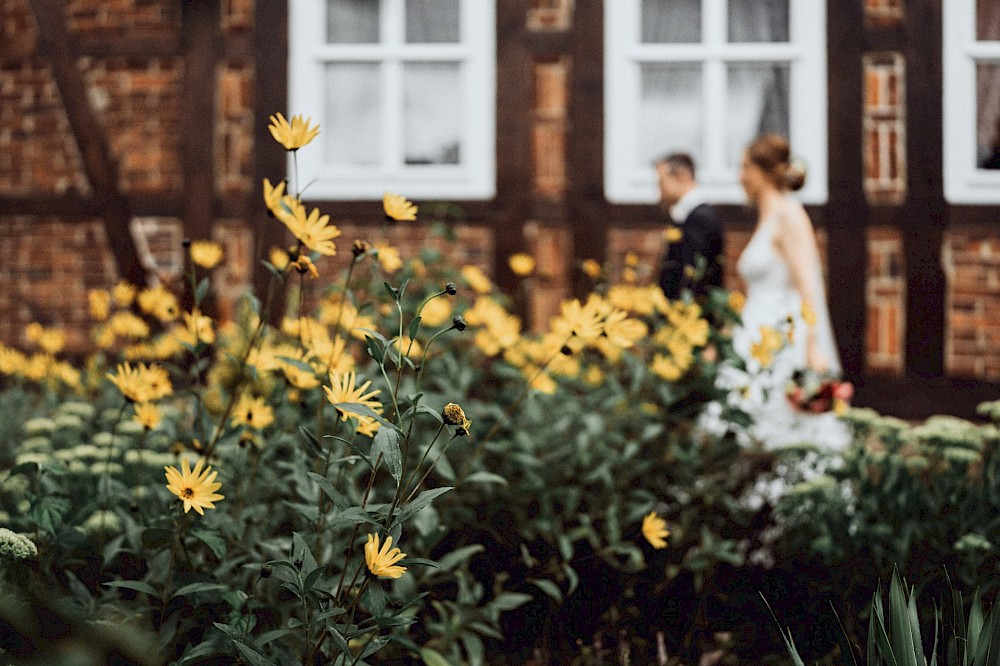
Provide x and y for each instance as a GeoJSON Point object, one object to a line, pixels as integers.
{"type": "Point", "coordinates": [453, 414]}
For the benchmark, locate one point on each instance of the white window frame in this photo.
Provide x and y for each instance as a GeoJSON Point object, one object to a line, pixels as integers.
{"type": "Point", "coordinates": [964, 182]}
{"type": "Point", "coordinates": [474, 178]}
{"type": "Point", "coordinates": [628, 181]}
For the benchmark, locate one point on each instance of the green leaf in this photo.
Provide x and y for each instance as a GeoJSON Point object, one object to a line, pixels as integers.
{"type": "Point", "coordinates": [900, 633]}
{"type": "Point", "coordinates": [339, 639]}
{"type": "Point", "coordinates": [412, 329]}
{"type": "Point", "coordinates": [216, 543]}
{"type": "Point", "coordinates": [432, 657]}
{"type": "Point", "coordinates": [362, 410]}
{"type": "Point", "coordinates": [314, 446]}
{"type": "Point", "coordinates": [301, 365]}
{"type": "Point", "coordinates": [392, 291]}
{"type": "Point", "coordinates": [508, 601]}
{"type": "Point", "coordinates": [194, 588]}
{"type": "Point", "coordinates": [459, 555]}
{"type": "Point", "coordinates": [975, 623]}
{"type": "Point", "coordinates": [548, 587]}
{"type": "Point", "coordinates": [374, 647]}
{"type": "Point", "coordinates": [136, 585]}
{"type": "Point", "coordinates": [375, 350]}
{"type": "Point", "coordinates": [387, 442]}
{"type": "Point", "coordinates": [418, 503]}
{"type": "Point", "coordinates": [474, 648]}
{"type": "Point", "coordinates": [201, 291]}
{"type": "Point", "coordinates": [339, 501]}
{"type": "Point", "coordinates": [485, 477]}
{"type": "Point", "coordinates": [252, 656]}
{"type": "Point", "coordinates": [27, 469]}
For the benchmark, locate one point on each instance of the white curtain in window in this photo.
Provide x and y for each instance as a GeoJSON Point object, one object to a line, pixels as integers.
{"type": "Point", "coordinates": [432, 21]}
{"type": "Point", "coordinates": [671, 21]}
{"type": "Point", "coordinates": [757, 103]}
{"type": "Point", "coordinates": [432, 113]}
{"type": "Point", "coordinates": [353, 130]}
{"type": "Point", "coordinates": [758, 20]}
{"type": "Point", "coordinates": [671, 111]}
{"type": "Point", "coordinates": [352, 21]}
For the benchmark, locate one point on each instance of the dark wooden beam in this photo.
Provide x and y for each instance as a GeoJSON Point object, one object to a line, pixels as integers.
{"type": "Point", "coordinates": [114, 42]}
{"type": "Point", "coordinates": [270, 40]}
{"type": "Point", "coordinates": [585, 141]}
{"type": "Point", "coordinates": [845, 216]}
{"type": "Point", "coordinates": [70, 206]}
{"type": "Point", "coordinates": [200, 27]}
{"type": "Point", "coordinates": [98, 163]}
{"type": "Point", "coordinates": [515, 93]}
{"type": "Point", "coordinates": [74, 207]}
{"type": "Point", "coordinates": [915, 398]}
{"type": "Point", "coordinates": [926, 210]}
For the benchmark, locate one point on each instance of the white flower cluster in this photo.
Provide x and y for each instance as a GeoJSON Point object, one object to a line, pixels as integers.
{"type": "Point", "coordinates": [16, 546]}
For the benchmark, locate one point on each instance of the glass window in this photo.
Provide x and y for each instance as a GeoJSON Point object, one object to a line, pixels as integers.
{"type": "Point", "coordinates": [404, 92]}
{"type": "Point", "coordinates": [971, 49]}
{"type": "Point", "coordinates": [706, 77]}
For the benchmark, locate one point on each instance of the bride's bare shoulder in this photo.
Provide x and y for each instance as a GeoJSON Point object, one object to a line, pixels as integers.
{"type": "Point", "coordinates": [793, 213]}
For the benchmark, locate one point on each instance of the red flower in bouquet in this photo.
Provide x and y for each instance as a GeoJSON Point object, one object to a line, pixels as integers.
{"type": "Point", "coordinates": [817, 394]}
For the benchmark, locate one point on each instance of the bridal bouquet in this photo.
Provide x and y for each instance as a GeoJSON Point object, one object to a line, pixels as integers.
{"type": "Point", "coordinates": [810, 391]}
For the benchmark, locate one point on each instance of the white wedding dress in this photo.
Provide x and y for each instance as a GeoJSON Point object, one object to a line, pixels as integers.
{"type": "Point", "coordinates": [771, 300]}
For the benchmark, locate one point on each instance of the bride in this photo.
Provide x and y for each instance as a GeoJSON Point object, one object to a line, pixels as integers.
{"type": "Point", "coordinates": [785, 302]}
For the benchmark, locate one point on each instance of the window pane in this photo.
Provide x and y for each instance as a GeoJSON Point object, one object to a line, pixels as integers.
{"type": "Point", "coordinates": [670, 111]}
{"type": "Point", "coordinates": [354, 114]}
{"type": "Point", "coordinates": [432, 21]}
{"type": "Point", "coordinates": [758, 20]}
{"type": "Point", "coordinates": [671, 21]}
{"type": "Point", "coordinates": [757, 103]}
{"type": "Point", "coordinates": [432, 113]}
{"type": "Point", "coordinates": [988, 20]}
{"type": "Point", "coordinates": [352, 21]}
{"type": "Point", "coordinates": [988, 116]}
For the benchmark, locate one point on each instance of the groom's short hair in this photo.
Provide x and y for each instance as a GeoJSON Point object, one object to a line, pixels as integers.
{"type": "Point", "coordinates": [675, 161]}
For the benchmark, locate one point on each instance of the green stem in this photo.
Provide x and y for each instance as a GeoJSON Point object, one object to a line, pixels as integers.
{"type": "Point", "coordinates": [429, 469]}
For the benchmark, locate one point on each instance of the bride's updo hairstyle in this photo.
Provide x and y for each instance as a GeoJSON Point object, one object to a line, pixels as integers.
{"type": "Point", "coordinates": [772, 154]}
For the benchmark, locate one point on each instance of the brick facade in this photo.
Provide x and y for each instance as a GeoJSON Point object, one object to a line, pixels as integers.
{"type": "Point", "coordinates": [139, 101]}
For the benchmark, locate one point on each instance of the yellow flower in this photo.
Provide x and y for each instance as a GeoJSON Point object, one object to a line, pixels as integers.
{"type": "Point", "coordinates": [631, 259]}
{"type": "Point", "coordinates": [666, 368]}
{"type": "Point", "coordinates": [292, 135]}
{"type": "Point", "coordinates": [388, 257]}
{"type": "Point", "coordinates": [51, 340]}
{"type": "Point", "coordinates": [304, 265]}
{"type": "Point", "coordinates": [436, 312]}
{"type": "Point", "coordinates": [623, 332]}
{"type": "Point", "coordinates": [808, 314]}
{"type": "Point", "coordinates": [763, 351]}
{"type": "Point", "coordinates": [200, 326]}
{"type": "Point", "coordinates": [273, 196]}
{"type": "Point", "coordinates": [655, 530]}
{"type": "Point", "coordinates": [476, 279]}
{"type": "Point", "coordinates": [540, 381]}
{"type": "Point", "coordinates": [297, 375]}
{"type": "Point", "coordinates": [123, 294]}
{"type": "Point", "coordinates": [592, 268]}
{"type": "Point", "coordinates": [342, 389]}
{"type": "Point", "coordinates": [148, 415]}
{"type": "Point", "coordinates": [100, 304]}
{"type": "Point", "coordinates": [582, 321]}
{"type": "Point", "coordinates": [737, 300]}
{"type": "Point", "coordinates": [314, 230]}
{"type": "Point", "coordinates": [159, 302]}
{"type": "Point", "coordinates": [398, 208]}
{"type": "Point", "coordinates": [206, 254]}
{"type": "Point", "coordinates": [382, 561]}
{"type": "Point", "coordinates": [195, 488]}
{"type": "Point", "coordinates": [673, 234]}
{"type": "Point", "coordinates": [279, 258]}
{"type": "Point", "coordinates": [252, 412]}
{"type": "Point", "coordinates": [12, 361]}
{"type": "Point", "coordinates": [128, 325]}
{"type": "Point", "coordinates": [142, 384]}
{"type": "Point", "coordinates": [593, 376]}
{"type": "Point", "coordinates": [522, 264]}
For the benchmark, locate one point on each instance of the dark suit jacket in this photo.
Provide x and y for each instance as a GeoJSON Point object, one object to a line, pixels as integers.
{"type": "Point", "coordinates": [702, 237]}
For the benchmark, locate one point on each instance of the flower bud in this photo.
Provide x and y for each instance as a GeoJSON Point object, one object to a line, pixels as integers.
{"type": "Point", "coordinates": [186, 243]}
{"type": "Point", "coordinates": [359, 248]}
{"type": "Point", "coordinates": [265, 571]}
{"type": "Point", "coordinates": [566, 350]}
{"type": "Point", "coordinates": [459, 323]}
{"type": "Point", "coordinates": [451, 289]}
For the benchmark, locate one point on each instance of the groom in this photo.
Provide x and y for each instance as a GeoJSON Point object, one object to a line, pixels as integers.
{"type": "Point", "coordinates": [698, 226]}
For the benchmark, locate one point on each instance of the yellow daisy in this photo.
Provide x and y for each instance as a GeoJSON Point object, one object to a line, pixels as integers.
{"type": "Point", "coordinates": [382, 561]}
{"type": "Point", "coordinates": [342, 389]}
{"type": "Point", "coordinates": [148, 415]}
{"type": "Point", "coordinates": [521, 264]}
{"type": "Point", "coordinates": [292, 135]}
{"type": "Point", "coordinates": [655, 530]}
{"type": "Point", "coordinates": [206, 254]}
{"type": "Point", "coordinates": [252, 412]}
{"type": "Point", "coordinates": [195, 488]}
{"type": "Point", "coordinates": [398, 208]}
